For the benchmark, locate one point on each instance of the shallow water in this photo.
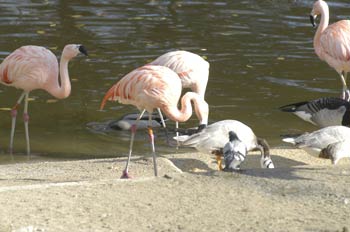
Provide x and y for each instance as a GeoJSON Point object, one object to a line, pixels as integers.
{"type": "Point", "coordinates": [260, 52]}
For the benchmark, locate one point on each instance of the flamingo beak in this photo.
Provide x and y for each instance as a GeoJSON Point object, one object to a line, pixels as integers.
{"type": "Point", "coordinates": [83, 50]}
{"type": "Point", "coordinates": [312, 20]}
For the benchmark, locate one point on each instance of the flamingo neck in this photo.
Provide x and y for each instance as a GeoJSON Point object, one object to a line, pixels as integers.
{"type": "Point", "coordinates": [323, 25]}
{"type": "Point", "coordinates": [201, 109]}
{"type": "Point", "coordinates": [63, 90]}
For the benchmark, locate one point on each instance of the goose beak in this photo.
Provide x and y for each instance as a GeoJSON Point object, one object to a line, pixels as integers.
{"type": "Point", "coordinates": [312, 20]}
{"type": "Point", "coordinates": [83, 50]}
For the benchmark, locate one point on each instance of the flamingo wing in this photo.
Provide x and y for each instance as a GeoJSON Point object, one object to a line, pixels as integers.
{"type": "Point", "coordinates": [185, 64]}
{"type": "Point", "coordinates": [147, 87]}
{"type": "Point", "coordinates": [27, 68]}
{"type": "Point", "coordinates": [335, 40]}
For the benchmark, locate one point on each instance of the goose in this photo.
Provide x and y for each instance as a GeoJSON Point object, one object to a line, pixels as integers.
{"type": "Point", "coordinates": [322, 112]}
{"type": "Point", "coordinates": [213, 138]}
{"type": "Point", "coordinates": [331, 142]}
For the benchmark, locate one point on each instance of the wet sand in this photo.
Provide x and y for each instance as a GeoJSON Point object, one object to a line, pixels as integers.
{"type": "Point", "coordinates": [302, 193]}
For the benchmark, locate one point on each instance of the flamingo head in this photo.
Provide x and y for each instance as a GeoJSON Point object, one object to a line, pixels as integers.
{"type": "Point", "coordinates": [72, 50]}
{"type": "Point", "coordinates": [318, 7]}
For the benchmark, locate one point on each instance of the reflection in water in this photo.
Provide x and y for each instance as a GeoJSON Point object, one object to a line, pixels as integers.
{"type": "Point", "coordinates": [260, 54]}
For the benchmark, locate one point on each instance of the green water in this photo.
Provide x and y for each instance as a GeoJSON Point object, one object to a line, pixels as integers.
{"type": "Point", "coordinates": [260, 53]}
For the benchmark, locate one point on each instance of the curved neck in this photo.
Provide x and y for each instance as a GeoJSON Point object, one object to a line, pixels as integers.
{"type": "Point", "coordinates": [323, 25]}
{"type": "Point", "coordinates": [200, 106]}
{"type": "Point", "coordinates": [62, 90]}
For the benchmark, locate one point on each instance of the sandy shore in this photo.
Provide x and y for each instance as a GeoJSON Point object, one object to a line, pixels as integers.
{"type": "Point", "coordinates": [301, 194]}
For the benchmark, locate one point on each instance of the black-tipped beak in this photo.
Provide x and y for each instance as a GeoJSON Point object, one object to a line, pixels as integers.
{"type": "Point", "coordinates": [312, 20]}
{"type": "Point", "coordinates": [83, 50]}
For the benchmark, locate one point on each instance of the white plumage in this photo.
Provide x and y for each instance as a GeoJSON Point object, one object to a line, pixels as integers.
{"type": "Point", "coordinates": [214, 137]}
{"type": "Point", "coordinates": [329, 142]}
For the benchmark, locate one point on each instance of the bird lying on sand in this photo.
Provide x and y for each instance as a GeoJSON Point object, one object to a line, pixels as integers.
{"type": "Point", "coordinates": [322, 112]}
{"type": "Point", "coordinates": [331, 142]}
{"type": "Point", "coordinates": [213, 138]}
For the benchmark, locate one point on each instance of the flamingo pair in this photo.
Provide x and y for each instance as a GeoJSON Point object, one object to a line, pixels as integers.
{"type": "Point", "coordinates": [149, 87]}
{"type": "Point", "coordinates": [158, 85]}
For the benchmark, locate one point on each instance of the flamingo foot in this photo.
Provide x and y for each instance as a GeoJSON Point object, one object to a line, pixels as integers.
{"type": "Point", "coordinates": [125, 175]}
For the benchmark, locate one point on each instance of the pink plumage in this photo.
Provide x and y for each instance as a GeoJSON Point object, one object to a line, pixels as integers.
{"type": "Point", "coordinates": [155, 87]}
{"type": "Point", "coordinates": [34, 67]}
{"type": "Point", "coordinates": [152, 86]}
{"type": "Point", "coordinates": [332, 42]}
{"type": "Point", "coordinates": [192, 69]}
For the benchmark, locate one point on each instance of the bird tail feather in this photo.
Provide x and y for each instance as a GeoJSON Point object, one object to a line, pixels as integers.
{"type": "Point", "coordinates": [110, 95]}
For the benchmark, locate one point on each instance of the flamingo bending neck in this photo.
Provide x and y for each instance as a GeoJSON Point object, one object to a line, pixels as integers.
{"type": "Point", "coordinates": [182, 115]}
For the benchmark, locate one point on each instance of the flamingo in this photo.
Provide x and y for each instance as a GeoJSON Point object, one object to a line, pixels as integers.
{"type": "Point", "coordinates": [35, 67]}
{"type": "Point", "coordinates": [322, 112]}
{"type": "Point", "coordinates": [331, 43]}
{"type": "Point", "coordinates": [155, 87]}
{"type": "Point", "coordinates": [330, 142]}
{"type": "Point", "coordinates": [192, 69]}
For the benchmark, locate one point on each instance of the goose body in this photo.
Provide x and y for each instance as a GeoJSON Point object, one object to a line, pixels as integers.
{"type": "Point", "coordinates": [329, 142]}
{"type": "Point", "coordinates": [213, 138]}
{"type": "Point", "coordinates": [322, 112]}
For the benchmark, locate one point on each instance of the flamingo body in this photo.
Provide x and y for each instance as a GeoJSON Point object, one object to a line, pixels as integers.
{"type": "Point", "coordinates": [192, 69]}
{"type": "Point", "coordinates": [29, 68]}
{"type": "Point", "coordinates": [145, 88]}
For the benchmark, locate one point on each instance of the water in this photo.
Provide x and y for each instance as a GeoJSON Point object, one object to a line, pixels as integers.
{"type": "Point", "coordinates": [260, 53]}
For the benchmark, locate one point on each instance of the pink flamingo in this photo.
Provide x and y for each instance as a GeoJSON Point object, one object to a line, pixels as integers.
{"type": "Point", "coordinates": [155, 87]}
{"type": "Point", "coordinates": [34, 67]}
{"type": "Point", "coordinates": [192, 69]}
{"type": "Point", "coordinates": [331, 42]}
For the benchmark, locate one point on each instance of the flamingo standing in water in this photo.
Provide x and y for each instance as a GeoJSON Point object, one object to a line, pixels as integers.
{"type": "Point", "coordinates": [34, 67]}
{"type": "Point", "coordinates": [192, 69]}
{"type": "Point", "coordinates": [331, 43]}
{"type": "Point", "coordinates": [155, 87]}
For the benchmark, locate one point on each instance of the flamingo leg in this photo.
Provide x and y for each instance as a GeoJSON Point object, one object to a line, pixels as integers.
{"type": "Point", "coordinates": [177, 135]}
{"type": "Point", "coordinates": [346, 92]}
{"type": "Point", "coordinates": [151, 138]}
{"type": "Point", "coordinates": [26, 122]}
{"type": "Point", "coordinates": [125, 174]}
{"type": "Point", "coordinates": [163, 124]}
{"type": "Point", "coordinates": [13, 124]}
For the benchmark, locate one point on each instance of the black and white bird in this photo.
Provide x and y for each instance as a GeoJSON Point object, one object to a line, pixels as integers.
{"type": "Point", "coordinates": [322, 112]}
{"type": "Point", "coordinates": [126, 121]}
{"type": "Point", "coordinates": [331, 142]}
{"type": "Point", "coordinates": [213, 138]}
{"type": "Point", "coordinates": [234, 152]}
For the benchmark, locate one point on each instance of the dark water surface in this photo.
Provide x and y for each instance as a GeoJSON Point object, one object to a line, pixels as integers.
{"type": "Point", "coordinates": [260, 52]}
